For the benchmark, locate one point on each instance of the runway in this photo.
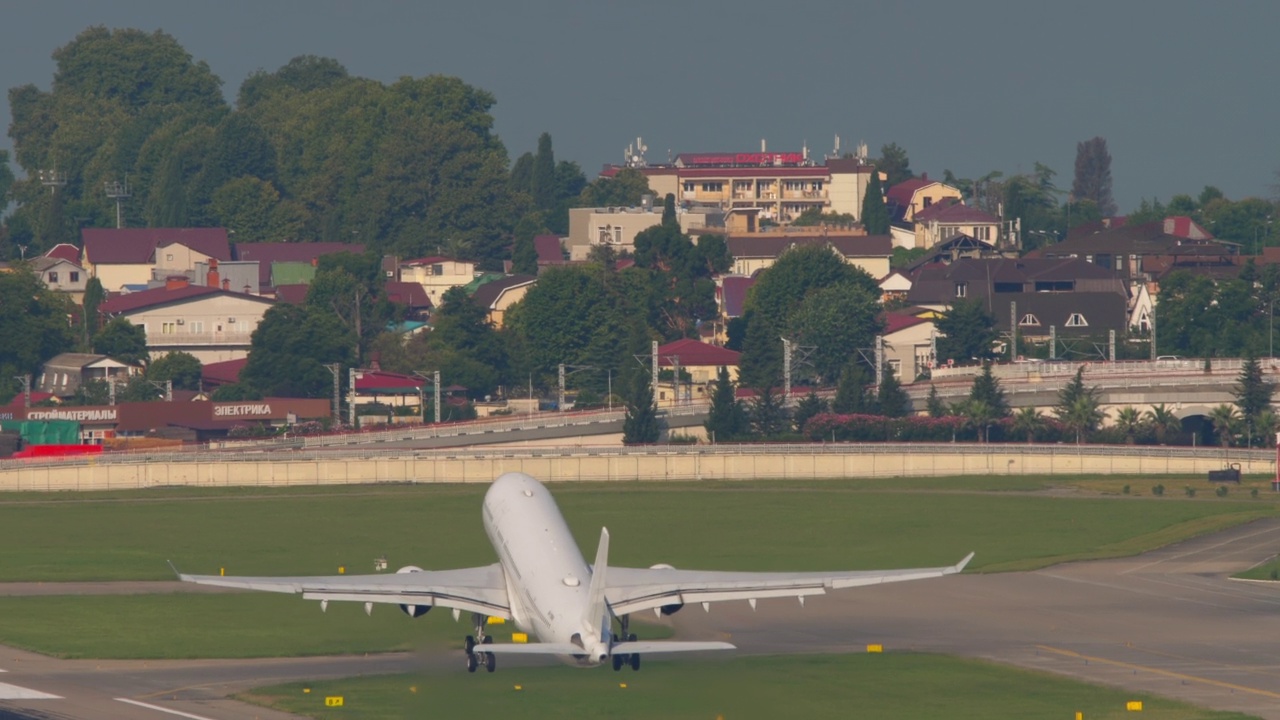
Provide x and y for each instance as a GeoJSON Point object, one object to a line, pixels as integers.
{"type": "Point", "coordinates": [1167, 622]}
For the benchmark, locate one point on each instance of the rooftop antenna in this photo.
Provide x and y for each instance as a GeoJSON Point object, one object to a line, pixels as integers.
{"type": "Point", "coordinates": [119, 193]}
{"type": "Point", "coordinates": [836, 152]}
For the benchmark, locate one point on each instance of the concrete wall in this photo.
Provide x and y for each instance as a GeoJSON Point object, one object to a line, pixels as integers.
{"type": "Point", "coordinates": [579, 464]}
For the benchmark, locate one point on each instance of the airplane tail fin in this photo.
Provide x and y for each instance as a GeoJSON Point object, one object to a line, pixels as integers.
{"type": "Point", "coordinates": [597, 615]}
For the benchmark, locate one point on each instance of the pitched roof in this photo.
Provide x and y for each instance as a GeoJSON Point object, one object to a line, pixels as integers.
{"type": "Point", "coordinates": [292, 294]}
{"type": "Point", "coordinates": [953, 212]}
{"type": "Point", "coordinates": [548, 249]}
{"type": "Point", "coordinates": [137, 246]}
{"type": "Point", "coordinates": [769, 246]}
{"type": "Point", "coordinates": [487, 294]}
{"type": "Point", "coordinates": [285, 272]}
{"type": "Point", "coordinates": [44, 262]}
{"type": "Point", "coordinates": [65, 251]}
{"type": "Point", "coordinates": [378, 381]}
{"type": "Point", "coordinates": [936, 283]}
{"type": "Point", "coordinates": [692, 352]}
{"type": "Point", "coordinates": [164, 296]}
{"type": "Point", "coordinates": [410, 294]}
{"type": "Point", "coordinates": [733, 294]}
{"type": "Point", "coordinates": [898, 321]}
{"type": "Point", "coordinates": [306, 252]}
{"type": "Point", "coordinates": [902, 193]}
{"type": "Point", "coordinates": [223, 373]}
{"type": "Point", "coordinates": [1146, 239]}
{"type": "Point", "coordinates": [74, 360]}
{"type": "Point", "coordinates": [1102, 311]}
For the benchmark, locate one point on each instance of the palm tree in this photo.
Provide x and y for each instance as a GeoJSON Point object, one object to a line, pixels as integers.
{"type": "Point", "coordinates": [1226, 423]}
{"type": "Point", "coordinates": [1082, 415]}
{"type": "Point", "coordinates": [978, 414]}
{"type": "Point", "coordinates": [1028, 421]}
{"type": "Point", "coordinates": [1129, 421]}
{"type": "Point", "coordinates": [1162, 419]}
{"type": "Point", "coordinates": [1265, 426]}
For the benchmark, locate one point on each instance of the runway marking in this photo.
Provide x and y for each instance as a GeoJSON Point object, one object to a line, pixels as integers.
{"type": "Point", "coordinates": [1197, 551]}
{"type": "Point", "coordinates": [149, 706]}
{"type": "Point", "coordinates": [13, 692]}
{"type": "Point", "coordinates": [1158, 671]}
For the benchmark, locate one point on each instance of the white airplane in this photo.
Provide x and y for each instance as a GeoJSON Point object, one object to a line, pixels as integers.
{"type": "Point", "coordinates": [542, 582]}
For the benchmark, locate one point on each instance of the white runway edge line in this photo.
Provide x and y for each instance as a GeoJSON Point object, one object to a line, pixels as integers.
{"type": "Point", "coordinates": [157, 708]}
{"type": "Point", "coordinates": [13, 692]}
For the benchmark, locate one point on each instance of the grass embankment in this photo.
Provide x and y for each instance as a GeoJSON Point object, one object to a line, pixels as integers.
{"type": "Point", "coordinates": [1011, 522]}
{"type": "Point", "coordinates": [886, 687]}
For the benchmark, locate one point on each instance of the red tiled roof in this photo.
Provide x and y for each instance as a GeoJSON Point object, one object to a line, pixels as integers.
{"type": "Point", "coordinates": [902, 193]}
{"type": "Point", "coordinates": [65, 251]}
{"type": "Point", "coordinates": [294, 294]}
{"type": "Point", "coordinates": [734, 294]}
{"type": "Point", "coordinates": [548, 249]}
{"type": "Point", "coordinates": [410, 294]}
{"type": "Point", "coordinates": [374, 381]}
{"type": "Point", "coordinates": [693, 353]}
{"type": "Point", "coordinates": [953, 212]}
{"type": "Point", "coordinates": [18, 400]}
{"type": "Point", "coordinates": [897, 321]}
{"type": "Point", "coordinates": [267, 253]}
{"type": "Point", "coordinates": [137, 246]}
{"type": "Point", "coordinates": [162, 296]}
{"type": "Point", "coordinates": [223, 373]}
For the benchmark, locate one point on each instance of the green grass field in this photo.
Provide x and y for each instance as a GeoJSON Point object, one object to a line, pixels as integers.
{"type": "Point", "coordinates": [886, 687]}
{"type": "Point", "coordinates": [1011, 522]}
{"type": "Point", "coordinates": [1266, 571]}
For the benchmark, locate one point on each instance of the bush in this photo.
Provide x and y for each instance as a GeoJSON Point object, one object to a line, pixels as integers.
{"type": "Point", "coordinates": [1221, 491]}
{"type": "Point", "coordinates": [1125, 489]}
{"type": "Point", "coordinates": [1157, 490]}
{"type": "Point", "coordinates": [682, 439]}
{"type": "Point", "coordinates": [1254, 493]}
{"type": "Point", "coordinates": [1191, 492]}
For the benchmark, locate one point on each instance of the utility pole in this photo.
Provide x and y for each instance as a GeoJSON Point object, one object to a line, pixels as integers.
{"type": "Point", "coordinates": [1053, 342]}
{"type": "Point", "coordinates": [1112, 346]}
{"type": "Point", "coordinates": [351, 400]}
{"type": "Point", "coordinates": [786, 371]}
{"type": "Point", "coordinates": [654, 371]}
{"type": "Point", "coordinates": [436, 398]}
{"type": "Point", "coordinates": [111, 391]}
{"type": "Point", "coordinates": [675, 379]}
{"type": "Point", "coordinates": [1153, 343]}
{"type": "Point", "coordinates": [1013, 330]}
{"type": "Point", "coordinates": [336, 369]}
{"type": "Point", "coordinates": [118, 192]}
{"type": "Point", "coordinates": [26, 389]}
{"type": "Point", "coordinates": [879, 361]}
{"type": "Point", "coordinates": [168, 391]}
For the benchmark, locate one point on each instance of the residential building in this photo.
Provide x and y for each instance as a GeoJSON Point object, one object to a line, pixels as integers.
{"type": "Point", "coordinates": [411, 295]}
{"type": "Point", "coordinates": [912, 196]}
{"type": "Point", "coordinates": [61, 275]}
{"type": "Point", "coordinates": [618, 226]}
{"type": "Point", "coordinates": [498, 296]}
{"type": "Point", "coordinates": [753, 252]}
{"type": "Point", "coordinates": [549, 249]}
{"type": "Point", "coordinates": [128, 256]}
{"type": "Point", "coordinates": [267, 255]}
{"type": "Point", "coordinates": [948, 219]}
{"type": "Point", "coordinates": [437, 274]}
{"type": "Point", "coordinates": [1144, 253]}
{"type": "Point", "coordinates": [62, 375]}
{"type": "Point", "coordinates": [908, 345]}
{"type": "Point", "coordinates": [779, 185]}
{"type": "Point", "coordinates": [699, 365]}
{"type": "Point", "coordinates": [210, 323]}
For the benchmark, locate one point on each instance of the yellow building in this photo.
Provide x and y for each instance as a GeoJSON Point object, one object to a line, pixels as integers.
{"type": "Point", "coordinates": [753, 252]}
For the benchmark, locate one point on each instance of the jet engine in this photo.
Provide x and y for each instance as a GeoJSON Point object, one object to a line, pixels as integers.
{"type": "Point", "coordinates": [413, 611]}
{"type": "Point", "coordinates": [673, 608]}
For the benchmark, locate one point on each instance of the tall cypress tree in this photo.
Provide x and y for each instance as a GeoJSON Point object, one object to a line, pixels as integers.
{"type": "Point", "coordinates": [892, 400]}
{"type": "Point", "coordinates": [726, 419]}
{"type": "Point", "coordinates": [1252, 392]}
{"type": "Point", "coordinates": [543, 178]}
{"type": "Point", "coordinates": [986, 389]}
{"type": "Point", "coordinates": [641, 423]}
{"type": "Point", "coordinates": [875, 214]}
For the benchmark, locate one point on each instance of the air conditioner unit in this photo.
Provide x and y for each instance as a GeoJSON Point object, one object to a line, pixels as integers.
{"type": "Point", "coordinates": [181, 321]}
{"type": "Point", "coordinates": [231, 320]}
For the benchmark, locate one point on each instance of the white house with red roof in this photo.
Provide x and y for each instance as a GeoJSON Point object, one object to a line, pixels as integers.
{"type": "Point", "coordinates": [437, 274]}
{"type": "Point", "coordinates": [908, 343]}
{"type": "Point", "coordinates": [210, 323]}
{"type": "Point", "coordinates": [127, 256]}
{"type": "Point", "coordinates": [699, 364]}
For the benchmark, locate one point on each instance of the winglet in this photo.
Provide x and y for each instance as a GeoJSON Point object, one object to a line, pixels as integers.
{"type": "Point", "coordinates": [596, 615]}
{"type": "Point", "coordinates": [959, 567]}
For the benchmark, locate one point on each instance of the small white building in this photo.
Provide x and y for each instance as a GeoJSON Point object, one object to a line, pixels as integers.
{"type": "Point", "coordinates": [437, 275]}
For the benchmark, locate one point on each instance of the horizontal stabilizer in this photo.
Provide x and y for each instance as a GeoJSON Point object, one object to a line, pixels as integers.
{"type": "Point", "coordinates": [670, 646]}
{"type": "Point", "coordinates": [531, 649]}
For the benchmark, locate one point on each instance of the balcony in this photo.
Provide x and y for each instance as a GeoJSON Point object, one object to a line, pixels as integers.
{"type": "Point", "coordinates": [205, 339]}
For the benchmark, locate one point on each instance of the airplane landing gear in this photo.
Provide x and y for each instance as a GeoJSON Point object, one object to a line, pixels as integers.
{"type": "Point", "coordinates": [469, 647]}
{"type": "Point", "coordinates": [620, 659]}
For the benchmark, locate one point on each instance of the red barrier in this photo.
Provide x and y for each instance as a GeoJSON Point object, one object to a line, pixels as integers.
{"type": "Point", "coordinates": [32, 451]}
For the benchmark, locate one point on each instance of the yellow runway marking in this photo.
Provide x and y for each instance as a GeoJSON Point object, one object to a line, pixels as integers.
{"type": "Point", "coordinates": [1158, 671]}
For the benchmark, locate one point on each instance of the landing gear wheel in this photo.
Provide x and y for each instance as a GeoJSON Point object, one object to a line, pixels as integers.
{"type": "Point", "coordinates": [469, 645]}
{"type": "Point", "coordinates": [631, 637]}
{"type": "Point", "coordinates": [490, 661]}
{"type": "Point", "coordinates": [617, 661]}
{"type": "Point", "coordinates": [635, 661]}
{"type": "Point", "coordinates": [488, 640]}
{"type": "Point", "coordinates": [471, 662]}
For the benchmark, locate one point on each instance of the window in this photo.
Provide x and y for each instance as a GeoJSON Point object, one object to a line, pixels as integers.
{"type": "Point", "coordinates": [1077, 320]}
{"type": "Point", "coordinates": [712, 187]}
{"type": "Point", "coordinates": [962, 290]}
{"type": "Point", "coordinates": [437, 269]}
{"type": "Point", "coordinates": [1029, 320]}
{"type": "Point", "coordinates": [982, 233]}
{"type": "Point", "coordinates": [895, 366]}
{"type": "Point", "coordinates": [75, 277]}
{"type": "Point", "coordinates": [168, 328]}
{"type": "Point", "coordinates": [928, 201]}
{"type": "Point", "coordinates": [53, 277]}
{"type": "Point", "coordinates": [689, 187]}
{"type": "Point", "coordinates": [169, 257]}
{"type": "Point", "coordinates": [195, 326]}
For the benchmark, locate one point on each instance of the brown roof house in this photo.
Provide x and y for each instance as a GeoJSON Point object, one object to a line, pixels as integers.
{"type": "Point", "coordinates": [127, 257]}
{"type": "Point", "coordinates": [753, 252]}
{"type": "Point", "coordinates": [499, 295]}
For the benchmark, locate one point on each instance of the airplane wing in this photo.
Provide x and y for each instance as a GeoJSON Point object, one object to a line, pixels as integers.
{"type": "Point", "coordinates": [647, 648]}
{"type": "Point", "coordinates": [478, 589]}
{"type": "Point", "coordinates": [633, 589]}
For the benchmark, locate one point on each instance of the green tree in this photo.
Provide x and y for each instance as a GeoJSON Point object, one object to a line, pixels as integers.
{"type": "Point", "coordinates": [93, 297]}
{"type": "Point", "coordinates": [894, 163]}
{"type": "Point", "coordinates": [1093, 175]}
{"type": "Point", "coordinates": [542, 176]}
{"type": "Point", "coordinates": [33, 325]}
{"type": "Point", "coordinates": [809, 406]}
{"type": "Point", "coordinates": [967, 332]}
{"type": "Point", "coordinates": [290, 348]}
{"type": "Point", "coordinates": [624, 189]}
{"type": "Point", "coordinates": [1077, 406]}
{"type": "Point", "coordinates": [976, 414]}
{"type": "Point", "coordinates": [986, 389]}
{"type": "Point", "coordinates": [815, 216]}
{"type": "Point", "coordinates": [122, 340]}
{"type": "Point", "coordinates": [1164, 421]}
{"type": "Point", "coordinates": [1253, 393]}
{"type": "Point", "coordinates": [726, 418]}
{"type": "Point", "coordinates": [1027, 422]}
{"type": "Point", "coordinates": [837, 321]}
{"type": "Point", "coordinates": [936, 407]}
{"type": "Point", "coordinates": [851, 392]}
{"type": "Point", "coordinates": [138, 389]}
{"type": "Point", "coordinates": [1129, 421]}
{"type": "Point", "coordinates": [768, 415]}
{"type": "Point", "coordinates": [1226, 424]}
{"type": "Point", "coordinates": [302, 74]}
{"type": "Point", "coordinates": [875, 214]}
{"type": "Point", "coordinates": [892, 400]}
{"type": "Point", "coordinates": [180, 367]}
{"type": "Point", "coordinates": [641, 424]}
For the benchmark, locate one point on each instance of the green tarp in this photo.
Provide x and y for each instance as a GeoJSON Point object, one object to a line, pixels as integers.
{"type": "Point", "coordinates": [44, 432]}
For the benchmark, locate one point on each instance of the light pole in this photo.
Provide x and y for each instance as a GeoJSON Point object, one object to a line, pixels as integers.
{"type": "Point", "coordinates": [1256, 228]}
{"type": "Point", "coordinates": [1271, 330]}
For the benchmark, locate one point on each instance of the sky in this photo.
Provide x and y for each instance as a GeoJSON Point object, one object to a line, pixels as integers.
{"type": "Point", "coordinates": [1179, 89]}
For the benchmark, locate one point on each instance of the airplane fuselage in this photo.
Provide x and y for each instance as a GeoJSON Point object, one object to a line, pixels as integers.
{"type": "Point", "coordinates": [546, 575]}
